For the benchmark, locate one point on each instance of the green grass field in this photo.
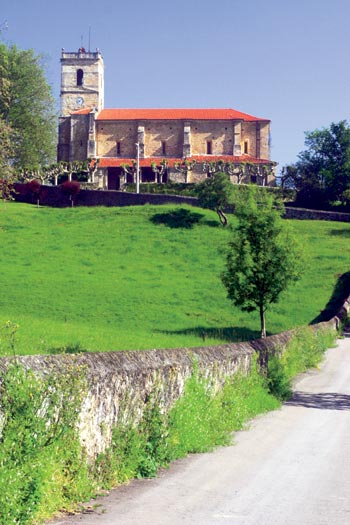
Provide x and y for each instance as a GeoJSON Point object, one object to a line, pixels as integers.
{"type": "Point", "coordinates": [128, 278]}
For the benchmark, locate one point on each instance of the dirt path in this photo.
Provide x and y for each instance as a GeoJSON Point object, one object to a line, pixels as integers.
{"type": "Point", "coordinates": [291, 467]}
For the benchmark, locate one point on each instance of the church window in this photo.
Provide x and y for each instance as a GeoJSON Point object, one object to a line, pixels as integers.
{"type": "Point", "coordinates": [80, 77]}
{"type": "Point", "coordinates": [163, 147]}
{"type": "Point", "coordinates": [246, 144]}
{"type": "Point", "coordinates": [209, 147]}
{"type": "Point", "coordinates": [118, 148]}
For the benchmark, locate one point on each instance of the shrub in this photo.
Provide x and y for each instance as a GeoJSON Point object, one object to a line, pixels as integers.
{"type": "Point", "coordinates": [71, 188]}
{"type": "Point", "coordinates": [42, 464]}
{"type": "Point", "coordinates": [34, 188]}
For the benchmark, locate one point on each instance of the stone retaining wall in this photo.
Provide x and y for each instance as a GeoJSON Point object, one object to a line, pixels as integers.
{"type": "Point", "coordinates": [317, 215]}
{"type": "Point", "coordinates": [53, 196]}
{"type": "Point", "coordinates": [120, 383]}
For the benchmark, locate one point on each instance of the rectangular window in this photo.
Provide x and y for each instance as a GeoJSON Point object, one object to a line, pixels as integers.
{"type": "Point", "coordinates": [246, 147]}
{"type": "Point", "coordinates": [163, 147]}
{"type": "Point", "coordinates": [209, 147]}
{"type": "Point", "coordinates": [118, 148]}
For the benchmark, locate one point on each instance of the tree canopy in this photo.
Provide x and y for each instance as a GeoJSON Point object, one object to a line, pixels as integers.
{"type": "Point", "coordinates": [26, 108]}
{"type": "Point", "coordinates": [262, 257]}
{"type": "Point", "coordinates": [322, 172]}
{"type": "Point", "coordinates": [215, 193]}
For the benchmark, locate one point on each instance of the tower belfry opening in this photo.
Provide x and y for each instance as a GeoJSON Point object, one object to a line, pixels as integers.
{"type": "Point", "coordinates": [80, 77]}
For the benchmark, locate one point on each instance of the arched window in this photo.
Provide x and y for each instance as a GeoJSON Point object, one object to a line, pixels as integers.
{"type": "Point", "coordinates": [80, 77]}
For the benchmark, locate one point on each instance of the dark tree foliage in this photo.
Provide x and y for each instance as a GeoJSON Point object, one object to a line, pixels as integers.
{"type": "Point", "coordinates": [27, 107]}
{"type": "Point", "coordinates": [322, 173]}
{"type": "Point", "coordinates": [34, 188]}
{"type": "Point", "coordinates": [71, 188]}
{"type": "Point", "coordinates": [216, 194]}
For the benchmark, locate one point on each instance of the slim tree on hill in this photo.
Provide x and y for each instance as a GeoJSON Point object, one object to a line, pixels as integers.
{"type": "Point", "coordinates": [263, 259]}
{"type": "Point", "coordinates": [216, 194]}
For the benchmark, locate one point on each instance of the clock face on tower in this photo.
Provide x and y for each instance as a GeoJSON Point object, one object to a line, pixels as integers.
{"type": "Point", "coordinates": [79, 101]}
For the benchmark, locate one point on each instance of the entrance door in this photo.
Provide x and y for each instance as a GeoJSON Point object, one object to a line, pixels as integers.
{"type": "Point", "coordinates": [113, 178]}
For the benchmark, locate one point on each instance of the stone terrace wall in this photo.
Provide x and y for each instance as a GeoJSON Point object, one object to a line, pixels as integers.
{"type": "Point", "coordinates": [53, 196]}
{"type": "Point", "coordinates": [120, 383]}
{"type": "Point", "coordinates": [318, 215]}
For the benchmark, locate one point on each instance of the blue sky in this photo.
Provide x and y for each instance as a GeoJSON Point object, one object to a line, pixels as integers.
{"type": "Point", "coordinates": [285, 60]}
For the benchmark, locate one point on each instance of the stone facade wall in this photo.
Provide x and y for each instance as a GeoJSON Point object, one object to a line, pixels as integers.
{"type": "Point", "coordinates": [79, 133]}
{"type": "Point", "coordinates": [92, 89]}
{"type": "Point", "coordinates": [63, 146]}
{"type": "Point", "coordinates": [249, 135]}
{"type": "Point", "coordinates": [169, 131]}
{"type": "Point", "coordinates": [219, 133]}
{"type": "Point", "coordinates": [264, 140]}
{"type": "Point", "coordinates": [109, 133]}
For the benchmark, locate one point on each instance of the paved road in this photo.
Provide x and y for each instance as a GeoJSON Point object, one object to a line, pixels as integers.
{"type": "Point", "coordinates": [291, 467]}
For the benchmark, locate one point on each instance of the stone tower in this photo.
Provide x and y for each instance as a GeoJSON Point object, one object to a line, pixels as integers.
{"type": "Point", "coordinates": [82, 81]}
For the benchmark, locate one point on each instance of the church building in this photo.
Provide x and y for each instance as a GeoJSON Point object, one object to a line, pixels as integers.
{"type": "Point", "coordinates": [180, 145]}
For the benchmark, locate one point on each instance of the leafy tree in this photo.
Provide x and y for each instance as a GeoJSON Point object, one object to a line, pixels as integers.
{"type": "Point", "coordinates": [7, 148]}
{"type": "Point", "coordinates": [216, 193]}
{"type": "Point", "coordinates": [71, 188]}
{"type": "Point", "coordinates": [34, 188]}
{"type": "Point", "coordinates": [185, 167]}
{"type": "Point", "coordinates": [27, 107]}
{"type": "Point", "coordinates": [323, 169]}
{"type": "Point", "coordinates": [213, 167]}
{"type": "Point", "coordinates": [159, 170]}
{"type": "Point", "coordinates": [7, 188]}
{"type": "Point", "coordinates": [262, 258]}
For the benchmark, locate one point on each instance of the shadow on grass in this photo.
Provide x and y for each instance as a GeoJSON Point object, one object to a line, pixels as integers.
{"type": "Point", "coordinates": [229, 334]}
{"type": "Point", "coordinates": [340, 233]}
{"type": "Point", "coordinates": [324, 401]}
{"type": "Point", "coordinates": [180, 218]}
{"type": "Point", "coordinates": [74, 348]}
{"type": "Point", "coordinates": [340, 293]}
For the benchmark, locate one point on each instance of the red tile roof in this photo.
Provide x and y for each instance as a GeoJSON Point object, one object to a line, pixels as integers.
{"type": "Point", "coordinates": [113, 162]}
{"type": "Point", "coordinates": [176, 114]}
{"type": "Point", "coordinates": [84, 111]}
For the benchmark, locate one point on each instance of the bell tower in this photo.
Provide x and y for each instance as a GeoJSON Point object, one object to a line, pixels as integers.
{"type": "Point", "coordinates": [82, 81]}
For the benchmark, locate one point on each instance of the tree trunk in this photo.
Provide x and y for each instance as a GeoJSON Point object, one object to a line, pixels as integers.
{"type": "Point", "coordinates": [262, 322]}
{"type": "Point", "coordinates": [263, 351]}
{"type": "Point", "coordinates": [222, 217]}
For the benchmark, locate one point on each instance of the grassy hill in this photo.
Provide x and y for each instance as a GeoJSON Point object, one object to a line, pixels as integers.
{"type": "Point", "coordinates": [140, 277]}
